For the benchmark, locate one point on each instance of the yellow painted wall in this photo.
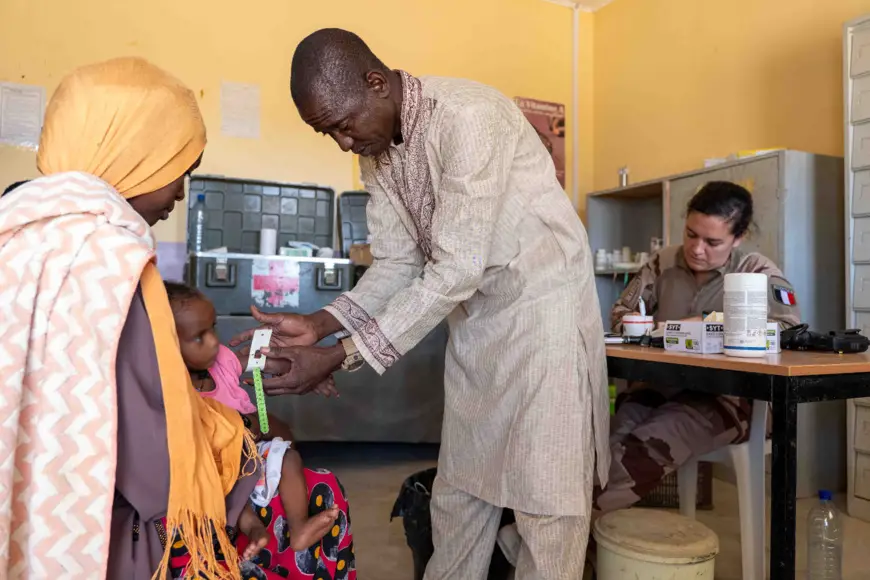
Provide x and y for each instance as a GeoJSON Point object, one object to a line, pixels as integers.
{"type": "Point", "coordinates": [678, 81]}
{"type": "Point", "coordinates": [522, 47]}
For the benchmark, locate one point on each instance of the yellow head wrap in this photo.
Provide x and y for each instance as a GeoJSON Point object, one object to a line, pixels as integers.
{"type": "Point", "coordinates": [138, 129]}
{"type": "Point", "coordinates": [125, 121]}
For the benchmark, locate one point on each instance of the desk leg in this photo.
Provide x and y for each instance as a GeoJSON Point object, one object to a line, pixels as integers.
{"type": "Point", "coordinates": [782, 512]}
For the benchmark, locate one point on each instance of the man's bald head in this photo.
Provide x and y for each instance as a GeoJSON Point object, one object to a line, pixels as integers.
{"type": "Point", "coordinates": [332, 62]}
{"type": "Point", "coordinates": [343, 90]}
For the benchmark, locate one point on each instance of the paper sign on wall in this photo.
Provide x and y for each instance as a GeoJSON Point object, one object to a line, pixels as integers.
{"type": "Point", "coordinates": [21, 112]}
{"type": "Point", "coordinates": [240, 110]}
{"type": "Point", "coordinates": [275, 283]}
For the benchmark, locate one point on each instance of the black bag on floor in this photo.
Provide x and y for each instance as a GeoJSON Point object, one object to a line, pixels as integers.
{"type": "Point", "coordinates": [412, 506]}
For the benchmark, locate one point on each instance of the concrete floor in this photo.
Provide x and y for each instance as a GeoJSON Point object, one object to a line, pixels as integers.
{"type": "Point", "coordinates": [373, 474]}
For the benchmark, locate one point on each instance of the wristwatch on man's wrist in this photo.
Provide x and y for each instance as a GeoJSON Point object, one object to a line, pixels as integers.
{"type": "Point", "coordinates": [353, 359]}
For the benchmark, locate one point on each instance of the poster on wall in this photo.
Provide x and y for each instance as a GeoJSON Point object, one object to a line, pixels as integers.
{"type": "Point", "coordinates": [21, 111]}
{"type": "Point", "coordinates": [240, 110]}
{"type": "Point", "coordinates": [548, 119]}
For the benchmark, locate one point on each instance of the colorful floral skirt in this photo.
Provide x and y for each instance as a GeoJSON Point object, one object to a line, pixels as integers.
{"type": "Point", "coordinates": [331, 558]}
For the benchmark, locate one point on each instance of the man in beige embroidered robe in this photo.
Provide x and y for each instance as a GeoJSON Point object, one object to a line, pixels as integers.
{"type": "Point", "coordinates": [468, 222]}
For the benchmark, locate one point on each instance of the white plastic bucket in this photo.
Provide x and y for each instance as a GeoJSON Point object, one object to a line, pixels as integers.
{"type": "Point", "coordinates": [639, 544]}
{"type": "Point", "coordinates": [746, 315]}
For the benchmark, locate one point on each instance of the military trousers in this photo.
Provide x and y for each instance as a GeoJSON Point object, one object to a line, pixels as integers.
{"type": "Point", "coordinates": [656, 430]}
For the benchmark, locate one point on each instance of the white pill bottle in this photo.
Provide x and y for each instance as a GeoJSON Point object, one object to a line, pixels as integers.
{"type": "Point", "coordinates": [746, 315]}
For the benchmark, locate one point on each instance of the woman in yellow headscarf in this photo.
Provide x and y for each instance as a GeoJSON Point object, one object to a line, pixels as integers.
{"type": "Point", "coordinates": [98, 420]}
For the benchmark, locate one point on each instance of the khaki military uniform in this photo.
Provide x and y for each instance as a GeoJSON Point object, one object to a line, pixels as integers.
{"type": "Point", "coordinates": [657, 428]}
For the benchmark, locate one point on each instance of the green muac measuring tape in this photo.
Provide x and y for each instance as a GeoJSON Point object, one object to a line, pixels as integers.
{"type": "Point", "coordinates": [261, 340]}
{"type": "Point", "coordinates": [261, 401]}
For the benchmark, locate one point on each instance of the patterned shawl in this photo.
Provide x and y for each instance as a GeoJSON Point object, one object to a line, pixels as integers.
{"type": "Point", "coordinates": [72, 253]}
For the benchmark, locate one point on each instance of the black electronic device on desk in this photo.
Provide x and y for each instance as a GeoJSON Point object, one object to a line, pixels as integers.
{"type": "Point", "coordinates": [800, 337]}
{"type": "Point", "coordinates": [645, 340]}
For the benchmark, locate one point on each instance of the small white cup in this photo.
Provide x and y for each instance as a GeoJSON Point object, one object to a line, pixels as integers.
{"type": "Point", "coordinates": [637, 325]}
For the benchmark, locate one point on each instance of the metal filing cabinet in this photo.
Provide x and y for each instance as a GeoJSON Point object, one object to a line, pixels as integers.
{"type": "Point", "coordinates": [856, 91]}
{"type": "Point", "coordinates": [403, 405]}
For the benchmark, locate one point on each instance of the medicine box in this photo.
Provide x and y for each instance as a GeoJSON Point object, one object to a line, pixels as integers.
{"type": "Point", "coordinates": [296, 252]}
{"type": "Point", "coordinates": [773, 338]}
{"type": "Point", "coordinates": [695, 337]}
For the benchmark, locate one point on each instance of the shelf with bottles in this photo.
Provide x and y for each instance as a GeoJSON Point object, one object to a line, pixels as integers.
{"type": "Point", "coordinates": [622, 224]}
{"type": "Point", "coordinates": [623, 261]}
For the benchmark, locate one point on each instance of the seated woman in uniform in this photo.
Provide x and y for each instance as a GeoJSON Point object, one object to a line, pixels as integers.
{"type": "Point", "coordinates": [657, 428]}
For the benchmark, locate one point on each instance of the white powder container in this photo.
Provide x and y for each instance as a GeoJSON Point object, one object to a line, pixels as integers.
{"type": "Point", "coordinates": [746, 315]}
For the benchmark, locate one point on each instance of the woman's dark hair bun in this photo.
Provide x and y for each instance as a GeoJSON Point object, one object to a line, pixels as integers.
{"type": "Point", "coordinates": [726, 200]}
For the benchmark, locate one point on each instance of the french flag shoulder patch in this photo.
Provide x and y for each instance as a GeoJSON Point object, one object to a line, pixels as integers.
{"type": "Point", "coordinates": [784, 295]}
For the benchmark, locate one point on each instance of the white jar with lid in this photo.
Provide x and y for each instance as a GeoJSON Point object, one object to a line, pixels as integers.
{"type": "Point", "coordinates": [746, 315]}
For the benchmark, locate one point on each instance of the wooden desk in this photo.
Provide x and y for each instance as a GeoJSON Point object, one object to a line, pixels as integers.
{"type": "Point", "coordinates": [787, 364]}
{"type": "Point", "coordinates": [785, 380]}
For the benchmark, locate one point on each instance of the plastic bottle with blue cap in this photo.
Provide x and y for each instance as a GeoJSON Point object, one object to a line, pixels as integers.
{"type": "Point", "coordinates": [824, 540]}
{"type": "Point", "coordinates": [199, 223]}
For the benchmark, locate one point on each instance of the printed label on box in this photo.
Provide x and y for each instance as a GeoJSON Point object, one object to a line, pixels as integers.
{"type": "Point", "coordinates": [773, 338]}
{"type": "Point", "coordinates": [695, 337]}
{"type": "Point", "coordinates": [275, 283]}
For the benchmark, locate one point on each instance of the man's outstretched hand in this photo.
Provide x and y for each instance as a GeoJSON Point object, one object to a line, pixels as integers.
{"type": "Point", "coordinates": [298, 370]}
{"type": "Point", "coordinates": [277, 366]}
{"type": "Point", "coordinates": [287, 329]}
